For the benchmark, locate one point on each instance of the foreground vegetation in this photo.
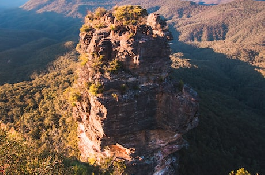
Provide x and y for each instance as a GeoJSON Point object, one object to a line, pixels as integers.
{"type": "Point", "coordinates": [43, 132]}
{"type": "Point", "coordinates": [39, 110]}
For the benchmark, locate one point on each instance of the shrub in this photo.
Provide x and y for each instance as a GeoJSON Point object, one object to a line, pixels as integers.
{"type": "Point", "coordinates": [90, 16]}
{"type": "Point", "coordinates": [85, 28]}
{"type": "Point", "coordinates": [115, 96]}
{"type": "Point", "coordinates": [84, 59]}
{"type": "Point", "coordinates": [240, 171]}
{"type": "Point", "coordinates": [91, 160]}
{"type": "Point", "coordinates": [180, 85]}
{"type": "Point", "coordinates": [123, 88]}
{"type": "Point", "coordinates": [100, 12]}
{"type": "Point", "coordinates": [96, 88]}
{"type": "Point", "coordinates": [114, 66]}
{"type": "Point", "coordinates": [129, 14]}
{"type": "Point", "coordinates": [131, 35]}
{"type": "Point", "coordinates": [112, 27]}
{"type": "Point", "coordinates": [75, 96]}
{"type": "Point", "coordinates": [99, 26]}
{"type": "Point", "coordinates": [97, 63]}
{"type": "Point", "coordinates": [78, 47]}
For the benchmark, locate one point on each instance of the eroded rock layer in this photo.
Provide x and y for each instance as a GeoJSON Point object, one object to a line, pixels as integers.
{"type": "Point", "coordinates": [128, 108]}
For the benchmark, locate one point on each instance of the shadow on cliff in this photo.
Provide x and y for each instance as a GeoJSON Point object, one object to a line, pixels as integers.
{"type": "Point", "coordinates": [232, 103]}
{"type": "Point", "coordinates": [30, 41]}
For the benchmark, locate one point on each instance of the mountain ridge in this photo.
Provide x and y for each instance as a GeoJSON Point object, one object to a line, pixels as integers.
{"type": "Point", "coordinates": [74, 8]}
{"type": "Point", "coordinates": [28, 36]}
{"type": "Point", "coordinates": [12, 4]}
{"type": "Point", "coordinates": [78, 8]}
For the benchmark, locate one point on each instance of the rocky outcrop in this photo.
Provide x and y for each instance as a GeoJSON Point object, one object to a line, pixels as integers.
{"type": "Point", "coordinates": [129, 108]}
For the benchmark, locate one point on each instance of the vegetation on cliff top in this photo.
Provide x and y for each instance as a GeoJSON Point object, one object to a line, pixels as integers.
{"type": "Point", "coordinates": [129, 14]}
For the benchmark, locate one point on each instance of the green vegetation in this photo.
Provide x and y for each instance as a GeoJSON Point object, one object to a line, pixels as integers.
{"type": "Point", "coordinates": [112, 27]}
{"type": "Point", "coordinates": [74, 95]}
{"type": "Point", "coordinates": [99, 25]}
{"type": "Point", "coordinates": [98, 62]}
{"type": "Point", "coordinates": [85, 28]}
{"type": "Point", "coordinates": [100, 12]}
{"type": "Point", "coordinates": [180, 85]}
{"type": "Point", "coordinates": [83, 58]}
{"type": "Point", "coordinates": [240, 171]}
{"type": "Point", "coordinates": [231, 113]}
{"type": "Point", "coordinates": [39, 108]}
{"type": "Point", "coordinates": [237, 34]}
{"type": "Point", "coordinates": [19, 157]}
{"type": "Point", "coordinates": [39, 111]}
{"type": "Point", "coordinates": [30, 41]}
{"type": "Point", "coordinates": [114, 66]}
{"type": "Point", "coordinates": [42, 135]}
{"type": "Point", "coordinates": [115, 96]}
{"type": "Point", "coordinates": [129, 14]}
{"type": "Point", "coordinates": [123, 88]}
{"type": "Point", "coordinates": [96, 88]}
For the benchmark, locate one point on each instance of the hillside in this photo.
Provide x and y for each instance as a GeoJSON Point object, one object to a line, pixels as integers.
{"type": "Point", "coordinates": [12, 4]}
{"type": "Point", "coordinates": [29, 42]}
{"type": "Point", "coordinates": [77, 8]}
{"type": "Point", "coordinates": [74, 8]}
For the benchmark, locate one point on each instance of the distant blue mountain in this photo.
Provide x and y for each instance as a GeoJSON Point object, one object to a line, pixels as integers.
{"type": "Point", "coordinates": [11, 4]}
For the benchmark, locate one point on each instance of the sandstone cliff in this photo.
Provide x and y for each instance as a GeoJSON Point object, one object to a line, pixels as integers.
{"type": "Point", "coordinates": [126, 105]}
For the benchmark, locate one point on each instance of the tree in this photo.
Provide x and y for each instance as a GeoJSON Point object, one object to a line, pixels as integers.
{"type": "Point", "coordinates": [129, 14]}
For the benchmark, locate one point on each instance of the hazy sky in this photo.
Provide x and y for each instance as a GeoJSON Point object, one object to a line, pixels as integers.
{"type": "Point", "coordinates": [11, 3]}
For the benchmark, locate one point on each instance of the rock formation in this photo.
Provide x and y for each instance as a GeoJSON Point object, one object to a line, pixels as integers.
{"type": "Point", "coordinates": [127, 107]}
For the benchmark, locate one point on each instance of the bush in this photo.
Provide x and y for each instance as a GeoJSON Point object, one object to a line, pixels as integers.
{"type": "Point", "coordinates": [114, 66]}
{"type": "Point", "coordinates": [99, 26]}
{"type": "Point", "coordinates": [112, 27]}
{"type": "Point", "coordinates": [123, 88]}
{"type": "Point", "coordinates": [129, 14]}
{"type": "Point", "coordinates": [85, 28]}
{"type": "Point", "coordinates": [90, 16]}
{"type": "Point", "coordinates": [100, 12]}
{"type": "Point", "coordinates": [240, 171]}
{"type": "Point", "coordinates": [83, 59]}
{"type": "Point", "coordinates": [115, 96]}
{"type": "Point", "coordinates": [75, 96]}
{"type": "Point", "coordinates": [97, 63]}
{"type": "Point", "coordinates": [95, 89]}
{"type": "Point", "coordinates": [180, 85]}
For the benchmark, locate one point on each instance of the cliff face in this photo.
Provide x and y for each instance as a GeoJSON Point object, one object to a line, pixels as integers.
{"type": "Point", "coordinates": [128, 108]}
